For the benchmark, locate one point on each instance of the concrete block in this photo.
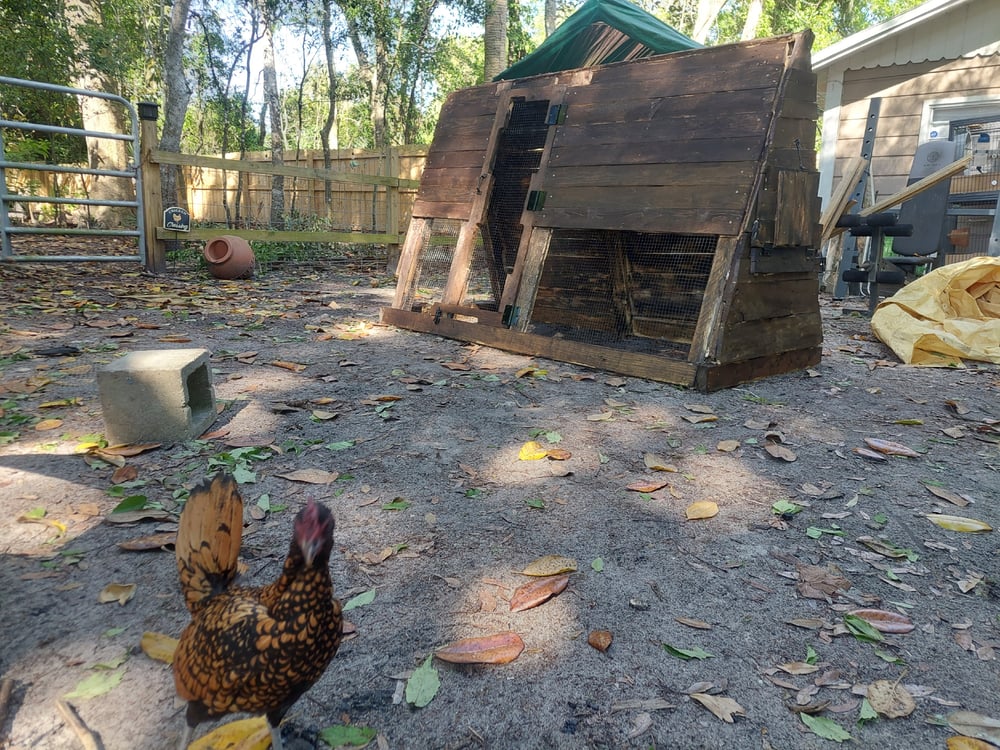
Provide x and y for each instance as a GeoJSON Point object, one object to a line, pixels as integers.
{"type": "Point", "coordinates": [160, 395]}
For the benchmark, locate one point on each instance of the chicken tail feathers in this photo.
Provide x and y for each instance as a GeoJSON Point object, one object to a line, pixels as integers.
{"type": "Point", "coordinates": [208, 539]}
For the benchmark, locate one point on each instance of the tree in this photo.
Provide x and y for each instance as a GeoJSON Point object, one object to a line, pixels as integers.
{"type": "Point", "coordinates": [495, 39]}
{"type": "Point", "coordinates": [176, 95]}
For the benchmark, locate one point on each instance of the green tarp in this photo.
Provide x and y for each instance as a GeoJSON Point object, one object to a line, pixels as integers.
{"type": "Point", "coordinates": [600, 32]}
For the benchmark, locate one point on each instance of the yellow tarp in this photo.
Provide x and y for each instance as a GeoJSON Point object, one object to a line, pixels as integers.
{"type": "Point", "coordinates": [950, 314]}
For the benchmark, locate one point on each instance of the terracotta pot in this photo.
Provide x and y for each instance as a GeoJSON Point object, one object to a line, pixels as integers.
{"type": "Point", "coordinates": [229, 257]}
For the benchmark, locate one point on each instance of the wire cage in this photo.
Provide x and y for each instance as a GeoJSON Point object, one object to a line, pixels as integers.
{"type": "Point", "coordinates": [656, 217]}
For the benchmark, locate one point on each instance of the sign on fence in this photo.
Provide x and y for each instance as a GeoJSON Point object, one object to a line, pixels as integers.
{"type": "Point", "coordinates": [177, 218]}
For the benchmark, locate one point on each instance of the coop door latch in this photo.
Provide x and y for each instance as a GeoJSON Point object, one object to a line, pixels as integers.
{"type": "Point", "coordinates": [510, 315]}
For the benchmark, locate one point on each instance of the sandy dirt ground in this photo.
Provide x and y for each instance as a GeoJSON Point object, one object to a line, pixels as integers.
{"type": "Point", "coordinates": [438, 515]}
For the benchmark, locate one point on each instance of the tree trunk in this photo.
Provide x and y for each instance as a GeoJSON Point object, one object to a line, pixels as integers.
{"type": "Point", "coordinates": [331, 111]}
{"type": "Point", "coordinates": [495, 39]}
{"type": "Point", "coordinates": [551, 7]}
{"type": "Point", "coordinates": [176, 95]}
{"type": "Point", "coordinates": [754, 12]}
{"type": "Point", "coordinates": [271, 96]}
{"type": "Point", "coordinates": [708, 11]}
{"type": "Point", "coordinates": [99, 115]}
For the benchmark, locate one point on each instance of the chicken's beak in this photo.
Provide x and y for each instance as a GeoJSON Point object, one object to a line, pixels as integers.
{"type": "Point", "coordinates": [310, 550]}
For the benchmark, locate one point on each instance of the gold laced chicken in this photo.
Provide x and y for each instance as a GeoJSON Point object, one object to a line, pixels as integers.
{"type": "Point", "coordinates": [252, 650]}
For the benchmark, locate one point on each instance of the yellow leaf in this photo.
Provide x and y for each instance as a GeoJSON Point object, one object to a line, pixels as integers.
{"type": "Point", "coordinates": [656, 463]}
{"type": "Point", "coordinates": [550, 565]}
{"type": "Point", "coordinates": [958, 523]}
{"type": "Point", "coordinates": [701, 509]}
{"type": "Point", "coordinates": [605, 416]}
{"type": "Point", "coordinates": [532, 451]}
{"type": "Point", "coordinates": [48, 424]}
{"type": "Point", "coordinates": [245, 734]}
{"type": "Point", "coordinates": [158, 646]}
{"type": "Point", "coordinates": [117, 592]}
{"type": "Point", "coordinates": [968, 743]}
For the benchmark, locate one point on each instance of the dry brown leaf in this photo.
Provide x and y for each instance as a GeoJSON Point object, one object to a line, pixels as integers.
{"type": "Point", "coordinates": [640, 725]}
{"type": "Point", "coordinates": [130, 450]}
{"type": "Point", "coordinates": [724, 708]}
{"type": "Point", "coordinates": [869, 454]}
{"type": "Point", "coordinates": [459, 366]}
{"type": "Point", "coordinates": [124, 474]}
{"type": "Point", "coordinates": [134, 516]}
{"type": "Point", "coordinates": [550, 565]}
{"type": "Point", "coordinates": [951, 497]}
{"type": "Point", "coordinates": [150, 542]}
{"type": "Point", "coordinates": [293, 366]}
{"type": "Point", "coordinates": [647, 485]}
{"type": "Point", "coordinates": [158, 646]}
{"type": "Point", "coordinates": [727, 446]}
{"type": "Point", "coordinates": [604, 416]}
{"type": "Point", "coordinates": [976, 725]}
{"type": "Point", "coordinates": [691, 623]}
{"type": "Point", "coordinates": [700, 510]}
{"type": "Point", "coordinates": [250, 441]}
{"type": "Point", "coordinates": [558, 454]}
{"type": "Point", "coordinates": [890, 699]}
{"type": "Point", "coordinates": [798, 668]}
{"type": "Point", "coordinates": [117, 592]}
{"type": "Point", "coordinates": [959, 523]}
{"type": "Point", "coordinates": [884, 621]}
{"type": "Point", "coordinates": [174, 339]}
{"type": "Point", "coordinates": [538, 592]}
{"type": "Point", "coordinates": [699, 408]}
{"type": "Point", "coordinates": [817, 582]}
{"type": "Point", "coordinates": [311, 476]}
{"type": "Point", "coordinates": [48, 424]}
{"type": "Point", "coordinates": [959, 742]}
{"type": "Point", "coordinates": [499, 648]}
{"type": "Point", "coordinates": [600, 639]}
{"type": "Point", "coordinates": [780, 451]}
{"type": "Point", "coordinates": [701, 418]}
{"type": "Point", "coordinates": [890, 448]}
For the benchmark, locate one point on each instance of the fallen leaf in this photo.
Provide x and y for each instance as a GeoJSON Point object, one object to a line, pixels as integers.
{"type": "Point", "coordinates": [952, 497]}
{"type": "Point", "coordinates": [869, 454]}
{"type": "Point", "coordinates": [311, 476]}
{"type": "Point", "coordinates": [366, 597]}
{"type": "Point", "coordinates": [655, 463]}
{"type": "Point", "coordinates": [640, 725]}
{"type": "Point", "coordinates": [723, 707]}
{"type": "Point", "coordinates": [293, 366]}
{"type": "Point", "coordinates": [697, 624]}
{"type": "Point", "coordinates": [124, 474]}
{"type": "Point", "coordinates": [958, 523]}
{"type": "Point", "coordinates": [347, 735]}
{"type": "Point", "coordinates": [128, 451]}
{"type": "Point", "coordinates": [324, 416]}
{"type": "Point", "coordinates": [779, 451]}
{"type": "Point", "coordinates": [550, 565]}
{"type": "Point", "coordinates": [884, 621]}
{"type": "Point", "coordinates": [701, 509]}
{"type": "Point", "coordinates": [727, 446]}
{"type": "Point", "coordinates": [825, 728]}
{"type": "Point", "coordinates": [701, 418]}
{"type": "Point", "coordinates": [600, 639]}
{"type": "Point", "coordinates": [687, 653]}
{"type": "Point", "coordinates": [150, 542]}
{"type": "Point", "coordinates": [647, 485]}
{"type": "Point", "coordinates": [558, 454]}
{"type": "Point", "coordinates": [96, 684]}
{"type": "Point", "coordinates": [423, 684]}
{"type": "Point", "coordinates": [499, 648]}
{"type": "Point", "coordinates": [117, 592]}
{"type": "Point", "coordinates": [890, 699]}
{"type": "Point", "coordinates": [134, 516]}
{"type": "Point", "coordinates": [976, 725]}
{"type": "Point", "coordinates": [158, 646]}
{"type": "Point", "coordinates": [699, 408]}
{"type": "Point", "coordinates": [532, 451]}
{"type": "Point", "coordinates": [798, 668]}
{"type": "Point", "coordinates": [48, 424]}
{"type": "Point", "coordinates": [243, 734]}
{"type": "Point", "coordinates": [538, 592]}
{"type": "Point", "coordinates": [650, 704]}
{"type": "Point", "coordinates": [890, 448]}
{"type": "Point", "coordinates": [604, 416]}
{"type": "Point", "coordinates": [817, 582]}
{"type": "Point", "coordinates": [967, 743]}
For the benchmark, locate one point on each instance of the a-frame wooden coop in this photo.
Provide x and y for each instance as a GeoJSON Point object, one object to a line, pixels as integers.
{"type": "Point", "coordinates": [656, 218]}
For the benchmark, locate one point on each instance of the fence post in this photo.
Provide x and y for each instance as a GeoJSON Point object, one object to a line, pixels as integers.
{"type": "Point", "coordinates": [393, 249]}
{"type": "Point", "coordinates": [152, 199]}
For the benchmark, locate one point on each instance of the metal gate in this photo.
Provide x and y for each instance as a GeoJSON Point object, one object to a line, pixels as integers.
{"type": "Point", "coordinates": [11, 228]}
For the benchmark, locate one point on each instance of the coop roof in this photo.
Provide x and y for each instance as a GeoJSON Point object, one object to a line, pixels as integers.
{"type": "Point", "coordinates": [601, 32]}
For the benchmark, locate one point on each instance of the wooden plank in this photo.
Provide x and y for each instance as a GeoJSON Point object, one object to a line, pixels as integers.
{"type": "Point", "coordinates": [675, 150]}
{"type": "Point", "coordinates": [718, 291]}
{"type": "Point", "coordinates": [409, 262]}
{"type": "Point", "coordinates": [918, 187]}
{"type": "Point", "coordinates": [152, 198]}
{"type": "Point", "coordinates": [755, 338]}
{"type": "Point", "coordinates": [713, 377]}
{"type": "Point", "coordinates": [712, 177]}
{"type": "Point", "coordinates": [645, 198]}
{"type": "Point", "coordinates": [238, 165]}
{"type": "Point", "coordinates": [440, 209]}
{"type": "Point", "coordinates": [284, 235]}
{"type": "Point", "coordinates": [838, 201]}
{"type": "Point", "coordinates": [653, 105]}
{"type": "Point", "coordinates": [530, 273]}
{"type": "Point", "coordinates": [685, 221]}
{"type": "Point", "coordinates": [795, 223]}
{"type": "Point", "coordinates": [451, 158]}
{"type": "Point", "coordinates": [680, 127]}
{"type": "Point", "coordinates": [634, 364]}
{"type": "Point", "coordinates": [757, 301]}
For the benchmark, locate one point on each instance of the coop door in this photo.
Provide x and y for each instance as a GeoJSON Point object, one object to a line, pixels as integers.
{"type": "Point", "coordinates": [505, 224]}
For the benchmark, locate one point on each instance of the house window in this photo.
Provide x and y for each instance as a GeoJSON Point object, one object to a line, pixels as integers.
{"type": "Point", "coordinates": [974, 123]}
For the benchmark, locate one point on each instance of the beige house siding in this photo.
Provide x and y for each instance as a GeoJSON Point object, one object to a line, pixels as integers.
{"type": "Point", "coordinates": [907, 91]}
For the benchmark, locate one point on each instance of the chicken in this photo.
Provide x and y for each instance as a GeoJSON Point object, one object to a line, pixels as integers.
{"type": "Point", "coordinates": [252, 650]}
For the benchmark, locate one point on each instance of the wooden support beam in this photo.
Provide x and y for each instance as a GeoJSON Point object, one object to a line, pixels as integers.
{"type": "Point", "coordinates": [918, 187]}
{"type": "Point", "coordinates": [152, 198]}
{"type": "Point", "coordinates": [841, 197]}
{"type": "Point", "coordinates": [531, 275]}
{"type": "Point", "coordinates": [409, 262]}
